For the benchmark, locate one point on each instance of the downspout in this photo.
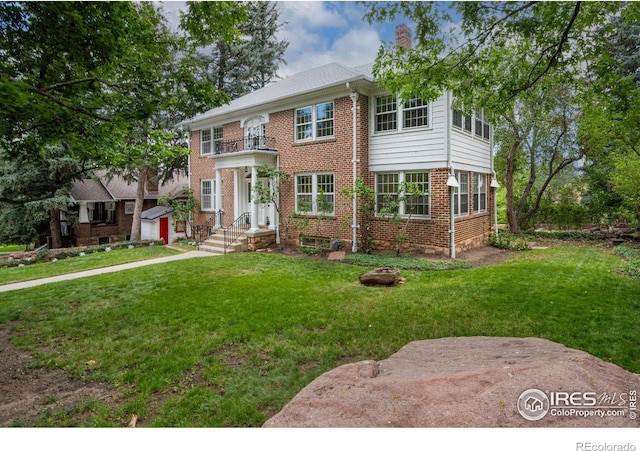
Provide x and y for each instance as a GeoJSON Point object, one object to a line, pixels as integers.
{"type": "Point", "coordinates": [188, 173]}
{"type": "Point", "coordinates": [276, 215]}
{"type": "Point", "coordinates": [452, 234]}
{"type": "Point", "coordinates": [354, 98]}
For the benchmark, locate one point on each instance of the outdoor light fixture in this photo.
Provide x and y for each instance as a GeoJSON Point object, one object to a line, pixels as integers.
{"type": "Point", "coordinates": [494, 183]}
{"type": "Point", "coordinates": [452, 181]}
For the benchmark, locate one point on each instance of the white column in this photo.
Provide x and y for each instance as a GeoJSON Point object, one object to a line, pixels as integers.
{"type": "Point", "coordinates": [219, 189]}
{"type": "Point", "coordinates": [254, 204]}
{"type": "Point", "coordinates": [237, 208]}
{"type": "Point", "coordinates": [83, 215]}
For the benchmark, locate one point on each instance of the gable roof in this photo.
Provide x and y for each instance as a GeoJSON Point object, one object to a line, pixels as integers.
{"type": "Point", "coordinates": [104, 190]}
{"type": "Point", "coordinates": [323, 77]}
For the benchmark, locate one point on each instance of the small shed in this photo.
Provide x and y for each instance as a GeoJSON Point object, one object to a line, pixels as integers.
{"type": "Point", "coordinates": [157, 223]}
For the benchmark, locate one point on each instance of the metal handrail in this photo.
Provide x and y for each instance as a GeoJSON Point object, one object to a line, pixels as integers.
{"type": "Point", "coordinates": [235, 230]}
{"type": "Point", "coordinates": [209, 227]}
{"type": "Point", "coordinates": [246, 143]}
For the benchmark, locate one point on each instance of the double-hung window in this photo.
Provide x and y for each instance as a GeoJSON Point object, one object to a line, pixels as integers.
{"type": "Point", "coordinates": [315, 193]}
{"type": "Point", "coordinates": [315, 121]}
{"type": "Point", "coordinates": [395, 186]}
{"type": "Point", "coordinates": [416, 204]}
{"type": "Point", "coordinates": [386, 113]}
{"type": "Point", "coordinates": [482, 124]}
{"type": "Point", "coordinates": [413, 113]}
{"type": "Point", "coordinates": [461, 195]}
{"type": "Point", "coordinates": [207, 195]}
{"type": "Point", "coordinates": [479, 192]}
{"type": "Point", "coordinates": [462, 121]}
{"type": "Point", "coordinates": [211, 141]}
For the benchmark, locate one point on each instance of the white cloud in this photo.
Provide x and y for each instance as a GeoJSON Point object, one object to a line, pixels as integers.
{"type": "Point", "coordinates": [324, 32]}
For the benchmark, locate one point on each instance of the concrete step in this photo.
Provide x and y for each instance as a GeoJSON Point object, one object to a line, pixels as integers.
{"type": "Point", "coordinates": [215, 245]}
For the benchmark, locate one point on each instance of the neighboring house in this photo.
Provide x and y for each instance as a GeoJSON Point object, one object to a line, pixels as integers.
{"type": "Point", "coordinates": [105, 208]}
{"type": "Point", "coordinates": [327, 127]}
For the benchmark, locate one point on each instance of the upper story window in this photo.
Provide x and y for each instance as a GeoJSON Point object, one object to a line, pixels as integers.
{"type": "Point", "coordinates": [386, 113]}
{"type": "Point", "coordinates": [414, 113]}
{"type": "Point", "coordinates": [477, 124]}
{"type": "Point", "coordinates": [482, 124]}
{"type": "Point", "coordinates": [210, 140]}
{"type": "Point", "coordinates": [315, 121]}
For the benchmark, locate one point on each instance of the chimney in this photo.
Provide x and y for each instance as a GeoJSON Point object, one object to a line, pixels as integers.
{"type": "Point", "coordinates": [403, 36]}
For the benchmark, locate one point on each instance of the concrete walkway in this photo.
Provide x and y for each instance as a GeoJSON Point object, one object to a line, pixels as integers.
{"type": "Point", "coordinates": [98, 271]}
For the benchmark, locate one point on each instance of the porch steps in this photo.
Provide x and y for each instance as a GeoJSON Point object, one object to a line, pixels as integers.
{"type": "Point", "coordinates": [215, 245]}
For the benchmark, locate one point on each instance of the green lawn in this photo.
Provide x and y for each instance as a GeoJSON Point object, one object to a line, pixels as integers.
{"type": "Point", "coordinates": [86, 262]}
{"type": "Point", "coordinates": [12, 247]}
{"type": "Point", "coordinates": [227, 341]}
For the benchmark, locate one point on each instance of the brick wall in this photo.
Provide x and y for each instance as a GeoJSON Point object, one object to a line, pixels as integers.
{"type": "Point", "coordinates": [335, 155]}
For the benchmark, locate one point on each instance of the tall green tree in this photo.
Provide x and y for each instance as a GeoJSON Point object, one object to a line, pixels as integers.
{"type": "Point", "coordinates": [251, 60]}
{"type": "Point", "coordinates": [613, 123]}
{"type": "Point", "coordinates": [164, 86]}
{"type": "Point", "coordinates": [98, 80]}
{"type": "Point", "coordinates": [503, 56]}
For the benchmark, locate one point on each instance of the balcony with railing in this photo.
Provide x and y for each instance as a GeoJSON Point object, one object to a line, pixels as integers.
{"type": "Point", "coordinates": [263, 143]}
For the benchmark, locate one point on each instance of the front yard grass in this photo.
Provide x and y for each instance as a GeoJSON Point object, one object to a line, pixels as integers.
{"type": "Point", "coordinates": [228, 341]}
{"type": "Point", "coordinates": [84, 263]}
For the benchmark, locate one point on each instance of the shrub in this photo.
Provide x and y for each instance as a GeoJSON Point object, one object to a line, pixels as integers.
{"type": "Point", "coordinates": [408, 263]}
{"type": "Point", "coordinates": [511, 242]}
{"type": "Point", "coordinates": [566, 235]}
{"type": "Point", "coordinates": [632, 255]}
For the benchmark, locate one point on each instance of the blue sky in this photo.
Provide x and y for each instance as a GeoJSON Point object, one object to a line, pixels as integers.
{"type": "Point", "coordinates": [322, 32]}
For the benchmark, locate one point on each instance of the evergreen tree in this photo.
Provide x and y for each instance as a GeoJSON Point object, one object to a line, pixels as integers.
{"type": "Point", "coordinates": [251, 61]}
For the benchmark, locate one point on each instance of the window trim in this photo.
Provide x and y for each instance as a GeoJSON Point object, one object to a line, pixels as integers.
{"type": "Point", "coordinates": [477, 193]}
{"type": "Point", "coordinates": [458, 194]}
{"type": "Point", "coordinates": [212, 181]}
{"type": "Point", "coordinates": [314, 122]}
{"type": "Point", "coordinates": [315, 193]}
{"type": "Point", "coordinates": [214, 143]}
{"type": "Point", "coordinates": [402, 178]}
{"type": "Point", "coordinates": [469, 124]}
{"type": "Point", "coordinates": [400, 116]}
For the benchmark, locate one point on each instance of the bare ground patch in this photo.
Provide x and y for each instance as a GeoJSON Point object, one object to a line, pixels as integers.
{"type": "Point", "coordinates": [27, 392]}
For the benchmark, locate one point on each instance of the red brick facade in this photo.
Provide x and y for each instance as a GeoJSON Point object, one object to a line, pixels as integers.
{"type": "Point", "coordinates": [335, 155]}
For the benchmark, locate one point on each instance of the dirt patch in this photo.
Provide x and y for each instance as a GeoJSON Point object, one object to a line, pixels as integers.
{"type": "Point", "coordinates": [26, 392]}
{"type": "Point", "coordinates": [481, 256]}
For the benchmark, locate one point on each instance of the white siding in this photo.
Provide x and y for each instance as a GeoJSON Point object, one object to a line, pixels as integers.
{"type": "Point", "coordinates": [150, 230]}
{"type": "Point", "coordinates": [410, 149]}
{"type": "Point", "coordinates": [469, 153]}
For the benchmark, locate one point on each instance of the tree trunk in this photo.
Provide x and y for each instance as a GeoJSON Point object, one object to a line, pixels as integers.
{"type": "Point", "coordinates": [510, 169]}
{"type": "Point", "coordinates": [55, 229]}
{"type": "Point", "coordinates": [136, 225]}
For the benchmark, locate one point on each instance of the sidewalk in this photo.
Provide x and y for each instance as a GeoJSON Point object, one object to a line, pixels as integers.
{"type": "Point", "coordinates": [105, 270]}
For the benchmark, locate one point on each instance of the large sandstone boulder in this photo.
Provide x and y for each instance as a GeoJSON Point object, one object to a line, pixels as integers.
{"type": "Point", "coordinates": [380, 276]}
{"type": "Point", "coordinates": [470, 382]}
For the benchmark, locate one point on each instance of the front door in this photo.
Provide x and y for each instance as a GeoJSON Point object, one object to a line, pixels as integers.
{"type": "Point", "coordinates": [164, 229]}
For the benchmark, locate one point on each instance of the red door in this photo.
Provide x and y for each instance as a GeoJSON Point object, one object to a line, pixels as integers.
{"type": "Point", "coordinates": [164, 229]}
